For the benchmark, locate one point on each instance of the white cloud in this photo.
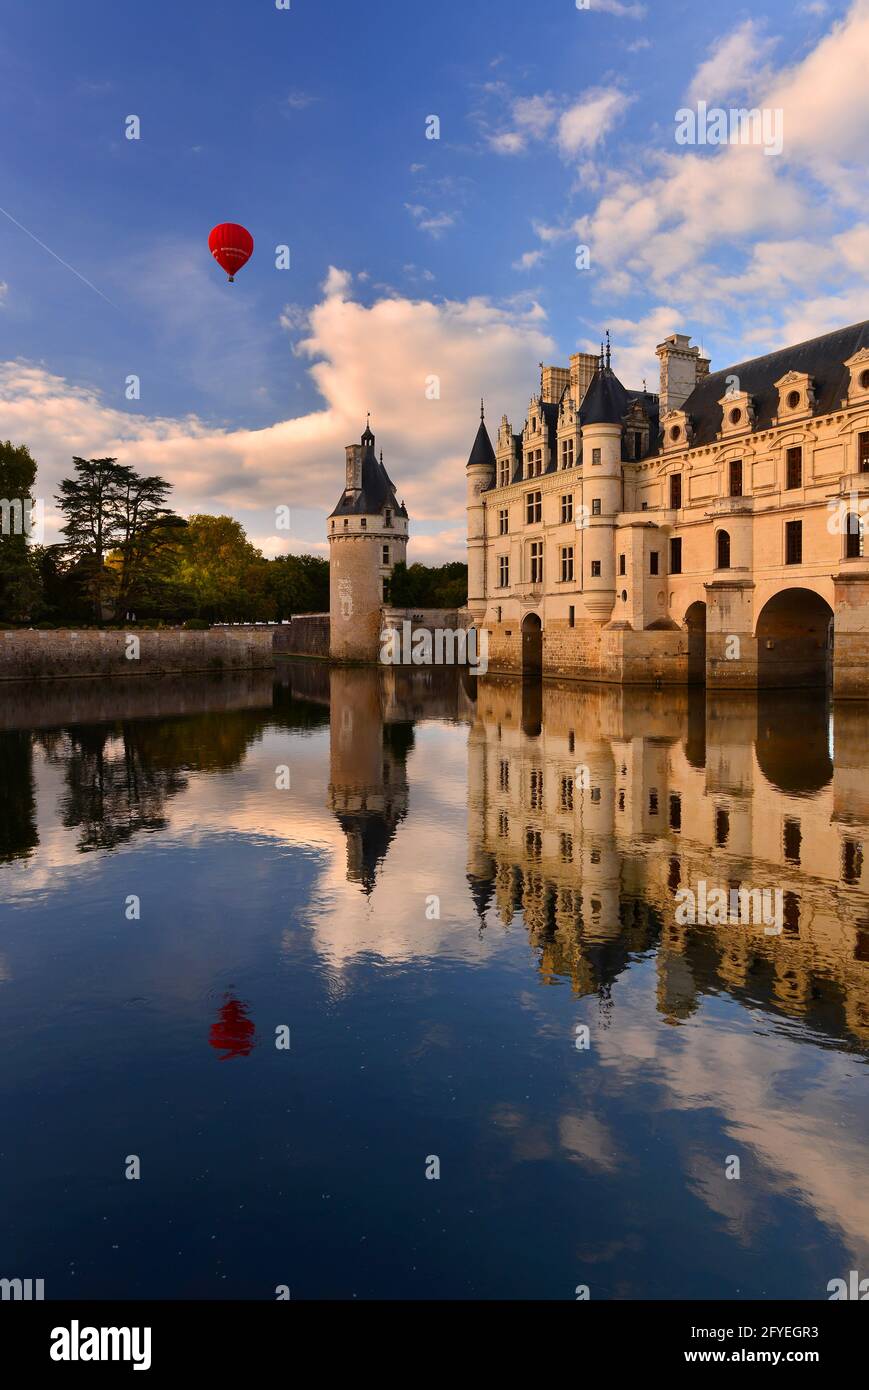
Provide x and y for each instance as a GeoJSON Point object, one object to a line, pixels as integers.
{"type": "Point", "coordinates": [297, 101]}
{"type": "Point", "coordinates": [619, 8]}
{"type": "Point", "coordinates": [585, 123]}
{"type": "Point", "coordinates": [361, 358]}
{"type": "Point", "coordinates": [508, 142]}
{"type": "Point", "coordinates": [528, 260]}
{"type": "Point", "coordinates": [432, 222]}
{"type": "Point", "coordinates": [735, 68]}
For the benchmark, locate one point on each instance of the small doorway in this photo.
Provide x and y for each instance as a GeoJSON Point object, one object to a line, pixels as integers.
{"type": "Point", "coordinates": [532, 645]}
{"type": "Point", "coordinates": [695, 621]}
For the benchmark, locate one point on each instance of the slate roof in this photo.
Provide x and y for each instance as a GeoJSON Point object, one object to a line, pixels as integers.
{"type": "Point", "coordinates": [821, 358]}
{"type": "Point", "coordinates": [482, 451]}
{"type": "Point", "coordinates": [606, 400]}
{"type": "Point", "coordinates": [378, 489]}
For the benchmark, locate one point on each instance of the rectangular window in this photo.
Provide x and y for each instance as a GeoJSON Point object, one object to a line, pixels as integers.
{"type": "Point", "coordinates": [387, 520]}
{"type": "Point", "coordinates": [595, 456]}
{"type": "Point", "coordinates": [794, 543]}
{"type": "Point", "coordinates": [794, 468]}
{"type": "Point", "coordinates": [567, 507]}
{"type": "Point", "coordinates": [595, 569]}
{"type": "Point", "coordinates": [503, 472]}
{"type": "Point", "coordinates": [533, 507]}
{"type": "Point", "coordinates": [566, 563]}
{"type": "Point", "coordinates": [567, 453]}
{"type": "Point", "coordinates": [736, 477]}
{"type": "Point", "coordinates": [567, 849]}
{"type": "Point", "coordinates": [863, 452]}
{"type": "Point", "coordinates": [567, 793]}
{"type": "Point", "coordinates": [852, 861]}
{"type": "Point", "coordinates": [536, 555]}
{"type": "Point", "coordinates": [653, 562]}
{"type": "Point", "coordinates": [386, 555]}
{"type": "Point", "coordinates": [503, 571]}
{"type": "Point", "coordinates": [503, 824]}
{"type": "Point", "coordinates": [571, 622]}
{"type": "Point", "coordinates": [538, 462]}
{"type": "Point", "coordinates": [363, 522]}
{"type": "Point", "coordinates": [675, 490]}
{"type": "Point", "coordinates": [536, 787]}
{"type": "Point", "coordinates": [675, 554]}
{"type": "Point", "coordinates": [793, 840]}
{"type": "Point", "coordinates": [675, 811]}
{"type": "Point", "coordinates": [623, 564]}
{"type": "Point", "coordinates": [595, 506]}
{"type": "Point", "coordinates": [503, 775]}
{"type": "Point", "coordinates": [503, 521]}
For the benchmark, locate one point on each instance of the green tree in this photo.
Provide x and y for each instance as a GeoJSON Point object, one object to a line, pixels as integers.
{"type": "Point", "coordinates": [223, 572]}
{"type": "Point", "coordinates": [150, 535]}
{"type": "Point", "coordinates": [20, 589]}
{"type": "Point", "coordinates": [116, 525]}
{"type": "Point", "coordinates": [90, 503]}
{"type": "Point", "coordinates": [424, 586]}
{"type": "Point", "coordinates": [298, 584]}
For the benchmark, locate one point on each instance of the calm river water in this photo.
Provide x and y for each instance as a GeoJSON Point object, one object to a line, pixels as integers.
{"type": "Point", "coordinates": [383, 985]}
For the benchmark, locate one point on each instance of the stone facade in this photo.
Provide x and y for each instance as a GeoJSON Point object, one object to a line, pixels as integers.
{"type": "Point", "coordinates": [712, 532]}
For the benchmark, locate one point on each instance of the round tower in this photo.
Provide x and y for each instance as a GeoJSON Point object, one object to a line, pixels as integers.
{"type": "Point", "coordinates": [367, 538]}
{"type": "Point", "coordinates": [603, 410]}
{"type": "Point", "coordinates": [480, 473]}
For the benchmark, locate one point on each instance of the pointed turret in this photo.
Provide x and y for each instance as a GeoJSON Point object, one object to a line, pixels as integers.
{"type": "Point", "coordinates": [482, 454]}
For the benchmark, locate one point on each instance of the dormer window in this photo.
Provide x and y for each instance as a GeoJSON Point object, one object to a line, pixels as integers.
{"type": "Point", "coordinates": [858, 366]}
{"type": "Point", "coordinates": [387, 520]}
{"type": "Point", "coordinates": [677, 430]}
{"type": "Point", "coordinates": [796, 394]}
{"type": "Point", "coordinates": [737, 413]}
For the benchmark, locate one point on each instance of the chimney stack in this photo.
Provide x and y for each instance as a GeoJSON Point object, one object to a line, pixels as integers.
{"type": "Point", "coordinates": [682, 368]}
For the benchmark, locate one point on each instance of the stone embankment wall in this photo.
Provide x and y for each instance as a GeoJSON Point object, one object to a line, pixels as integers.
{"type": "Point", "coordinates": [70, 652]}
{"type": "Point", "coordinates": [307, 635]}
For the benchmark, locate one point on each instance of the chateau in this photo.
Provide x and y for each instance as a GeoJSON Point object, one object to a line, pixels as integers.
{"type": "Point", "coordinates": [712, 532]}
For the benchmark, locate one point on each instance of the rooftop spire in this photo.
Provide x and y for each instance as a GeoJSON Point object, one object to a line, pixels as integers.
{"type": "Point", "coordinates": [607, 348]}
{"type": "Point", "coordinates": [482, 411]}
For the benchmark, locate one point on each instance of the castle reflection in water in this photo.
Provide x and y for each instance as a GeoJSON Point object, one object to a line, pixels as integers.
{"type": "Point", "coordinates": [588, 809]}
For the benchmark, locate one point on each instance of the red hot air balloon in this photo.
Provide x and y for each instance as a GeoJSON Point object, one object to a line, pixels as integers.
{"type": "Point", "coordinates": [231, 246]}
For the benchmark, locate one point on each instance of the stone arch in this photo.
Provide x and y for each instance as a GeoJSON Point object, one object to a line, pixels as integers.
{"type": "Point", "coordinates": [794, 639]}
{"type": "Point", "coordinates": [532, 645]}
{"type": "Point", "coordinates": [695, 622]}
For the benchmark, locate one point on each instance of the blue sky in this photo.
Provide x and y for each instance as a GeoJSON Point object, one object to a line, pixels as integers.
{"type": "Point", "coordinates": [409, 256]}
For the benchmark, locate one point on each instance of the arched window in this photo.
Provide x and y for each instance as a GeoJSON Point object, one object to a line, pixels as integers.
{"type": "Point", "coordinates": [853, 537]}
{"type": "Point", "coordinates": [722, 550]}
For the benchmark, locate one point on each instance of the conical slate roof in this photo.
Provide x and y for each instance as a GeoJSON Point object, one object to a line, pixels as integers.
{"type": "Point", "coordinates": [606, 400]}
{"type": "Point", "coordinates": [482, 454]}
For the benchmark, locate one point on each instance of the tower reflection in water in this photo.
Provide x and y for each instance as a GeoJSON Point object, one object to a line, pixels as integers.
{"type": "Point", "coordinates": [589, 809]}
